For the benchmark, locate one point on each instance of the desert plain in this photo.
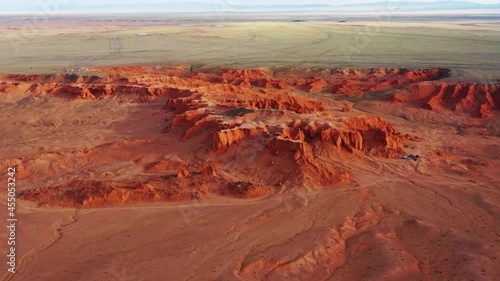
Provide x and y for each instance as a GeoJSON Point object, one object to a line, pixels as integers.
{"type": "Point", "coordinates": [349, 148]}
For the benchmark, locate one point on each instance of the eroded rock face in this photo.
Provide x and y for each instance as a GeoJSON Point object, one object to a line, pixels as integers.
{"type": "Point", "coordinates": [311, 260]}
{"type": "Point", "coordinates": [352, 134]}
{"type": "Point", "coordinates": [181, 187]}
{"type": "Point", "coordinates": [356, 82]}
{"type": "Point", "coordinates": [225, 138]}
{"type": "Point", "coordinates": [244, 134]}
{"type": "Point", "coordinates": [473, 99]}
{"type": "Point", "coordinates": [274, 135]}
{"type": "Point", "coordinates": [85, 91]}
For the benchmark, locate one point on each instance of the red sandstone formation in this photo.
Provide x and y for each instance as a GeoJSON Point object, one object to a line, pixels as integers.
{"type": "Point", "coordinates": [474, 99]}
{"type": "Point", "coordinates": [183, 187]}
{"type": "Point", "coordinates": [147, 82]}
{"type": "Point", "coordinates": [353, 134]}
{"type": "Point", "coordinates": [245, 190]}
{"type": "Point", "coordinates": [142, 135]}
{"type": "Point", "coordinates": [356, 82]}
{"type": "Point", "coordinates": [227, 109]}
{"type": "Point", "coordinates": [224, 138]}
{"type": "Point", "coordinates": [245, 78]}
{"type": "Point", "coordinates": [346, 109]}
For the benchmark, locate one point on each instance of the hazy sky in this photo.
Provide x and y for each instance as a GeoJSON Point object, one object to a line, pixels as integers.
{"type": "Point", "coordinates": [34, 4]}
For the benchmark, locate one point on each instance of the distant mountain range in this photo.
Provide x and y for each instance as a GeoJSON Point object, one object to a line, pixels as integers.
{"type": "Point", "coordinates": [195, 6]}
{"type": "Point", "coordinates": [431, 6]}
{"type": "Point", "coordinates": [224, 5]}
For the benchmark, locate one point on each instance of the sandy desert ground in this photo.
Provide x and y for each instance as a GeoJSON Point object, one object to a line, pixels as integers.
{"type": "Point", "coordinates": [217, 152]}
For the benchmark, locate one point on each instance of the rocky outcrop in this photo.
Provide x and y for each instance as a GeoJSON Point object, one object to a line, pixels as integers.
{"type": "Point", "coordinates": [267, 100]}
{"type": "Point", "coordinates": [370, 134]}
{"type": "Point", "coordinates": [225, 138]}
{"type": "Point", "coordinates": [245, 78]}
{"type": "Point", "coordinates": [299, 259]}
{"type": "Point", "coordinates": [83, 194]}
{"type": "Point", "coordinates": [358, 81]}
{"type": "Point", "coordinates": [357, 134]}
{"type": "Point", "coordinates": [182, 186]}
{"type": "Point", "coordinates": [273, 135]}
{"type": "Point", "coordinates": [473, 99]}
{"type": "Point", "coordinates": [146, 83]}
{"type": "Point", "coordinates": [284, 144]}
{"type": "Point", "coordinates": [245, 190]}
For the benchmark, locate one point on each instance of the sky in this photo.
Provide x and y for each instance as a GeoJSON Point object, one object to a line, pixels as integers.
{"type": "Point", "coordinates": [25, 5]}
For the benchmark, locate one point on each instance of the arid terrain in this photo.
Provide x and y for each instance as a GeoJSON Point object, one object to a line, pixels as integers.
{"type": "Point", "coordinates": [277, 170]}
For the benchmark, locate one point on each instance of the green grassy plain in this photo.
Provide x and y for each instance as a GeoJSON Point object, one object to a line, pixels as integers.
{"type": "Point", "coordinates": [470, 47]}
